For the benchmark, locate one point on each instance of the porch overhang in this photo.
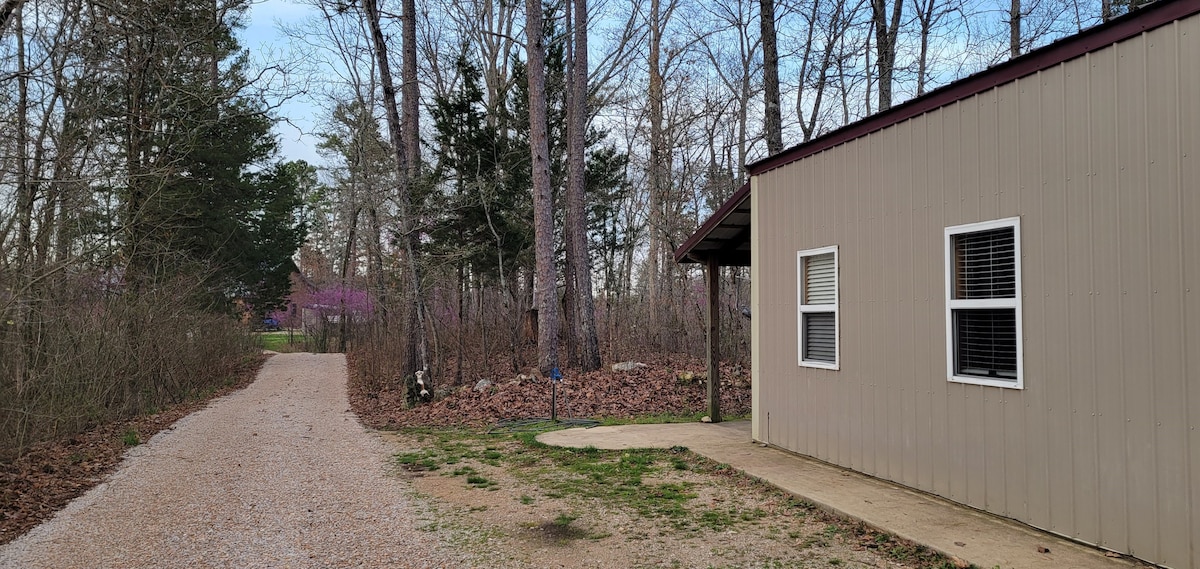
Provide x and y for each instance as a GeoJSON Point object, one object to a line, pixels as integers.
{"type": "Point", "coordinates": [725, 236]}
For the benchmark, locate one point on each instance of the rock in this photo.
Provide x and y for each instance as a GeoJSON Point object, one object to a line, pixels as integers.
{"type": "Point", "coordinates": [706, 419]}
{"type": "Point", "coordinates": [482, 385]}
{"type": "Point", "coordinates": [628, 366]}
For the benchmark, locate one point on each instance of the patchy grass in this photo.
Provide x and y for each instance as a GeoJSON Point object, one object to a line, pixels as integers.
{"type": "Point", "coordinates": [665, 487]}
{"type": "Point", "coordinates": [282, 341]}
{"type": "Point", "coordinates": [638, 480]}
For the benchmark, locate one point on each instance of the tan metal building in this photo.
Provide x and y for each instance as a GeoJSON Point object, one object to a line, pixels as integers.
{"type": "Point", "coordinates": [992, 293]}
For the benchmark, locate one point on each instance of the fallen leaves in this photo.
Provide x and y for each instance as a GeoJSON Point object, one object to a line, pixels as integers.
{"type": "Point", "coordinates": [651, 390]}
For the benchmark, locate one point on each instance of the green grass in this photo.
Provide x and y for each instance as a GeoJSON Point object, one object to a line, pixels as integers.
{"type": "Point", "coordinates": [278, 341]}
{"type": "Point", "coordinates": [131, 438]}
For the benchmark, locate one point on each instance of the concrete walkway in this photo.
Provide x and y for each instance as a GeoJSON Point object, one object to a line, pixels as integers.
{"type": "Point", "coordinates": [978, 538]}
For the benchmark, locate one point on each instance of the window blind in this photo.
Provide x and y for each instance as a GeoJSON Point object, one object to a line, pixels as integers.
{"type": "Point", "coordinates": [985, 264]}
{"type": "Point", "coordinates": [987, 342]}
{"type": "Point", "coordinates": [820, 337]}
{"type": "Point", "coordinates": [820, 280]}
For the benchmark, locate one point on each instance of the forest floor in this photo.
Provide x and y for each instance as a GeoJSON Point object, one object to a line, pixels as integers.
{"type": "Point", "coordinates": [659, 387]}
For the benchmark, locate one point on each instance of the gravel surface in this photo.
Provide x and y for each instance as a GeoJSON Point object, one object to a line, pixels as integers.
{"type": "Point", "coordinates": [280, 474]}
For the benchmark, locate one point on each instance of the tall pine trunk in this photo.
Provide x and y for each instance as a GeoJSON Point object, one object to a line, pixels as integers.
{"type": "Point", "coordinates": [543, 199]}
{"type": "Point", "coordinates": [416, 339]}
{"type": "Point", "coordinates": [576, 230]}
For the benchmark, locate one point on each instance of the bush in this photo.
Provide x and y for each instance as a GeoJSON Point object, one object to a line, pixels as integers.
{"type": "Point", "coordinates": [76, 353]}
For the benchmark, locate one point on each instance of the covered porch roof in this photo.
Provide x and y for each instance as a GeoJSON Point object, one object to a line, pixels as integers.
{"type": "Point", "coordinates": [725, 236]}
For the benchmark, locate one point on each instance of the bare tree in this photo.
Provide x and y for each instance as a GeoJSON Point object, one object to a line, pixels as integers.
{"type": "Point", "coordinates": [1014, 29]}
{"type": "Point", "coordinates": [417, 332]}
{"type": "Point", "coordinates": [773, 120]}
{"type": "Point", "coordinates": [887, 29]}
{"type": "Point", "coordinates": [543, 199]}
{"type": "Point", "coordinates": [576, 229]}
{"type": "Point", "coordinates": [929, 13]}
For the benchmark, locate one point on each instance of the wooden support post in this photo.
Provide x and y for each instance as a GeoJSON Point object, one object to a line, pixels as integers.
{"type": "Point", "coordinates": [713, 271]}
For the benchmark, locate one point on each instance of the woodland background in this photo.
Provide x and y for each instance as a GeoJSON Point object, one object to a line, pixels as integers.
{"type": "Point", "coordinates": [481, 160]}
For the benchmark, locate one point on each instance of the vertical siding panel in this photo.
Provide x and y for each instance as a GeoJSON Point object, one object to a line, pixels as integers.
{"type": "Point", "coordinates": [1106, 345]}
{"type": "Point", "coordinates": [848, 381]}
{"type": "Point", "coordinates": [802, 387]}
{"type": "Point", "coordinates": [1079, 355]}
{"type": "Point", "coordinates": [941, 464]}
{"type": "Point", "coordinates": [1026, 411]}
{"type": "Point", "coordinates": [1170, 426]}
{"type": "Point", "coordinates": [976, 423]}
{"type": "Point", "coordinates": [973, 182]}
{"type": "Point", "coordinates": [851, 282]}
{"type": "Point", "coordinates": [1189, 171]}
{"type": "Point", "coordinates": [882, 309]}
{"type": "Point", "coordinates": [1134, 266]}
{"type": "Point", "coordinates": [919, 278]}
{"type": "Point", "coordinates": [784, 275]}
{"type": "Point", "coordinates": [999, 140]}
{"type": "Point", "coordinates": [816, 386]}
{"type": "Point", "coordinates": [780, 281]}
{"type": "Point", "coordinates": [771, 381]}
{"type": "Point", "coordinates": [875, 462]}
{"type": "Point", "coordinates": [857, 253]}
{"type": "Point", "coordinates": [956, 394]}
{"type": "Point", "coordinates": [1049, 336]}
{"type": "Point", "coordinates": [907, 341]}
{"type": "Point", "coordinates": [889, 192]}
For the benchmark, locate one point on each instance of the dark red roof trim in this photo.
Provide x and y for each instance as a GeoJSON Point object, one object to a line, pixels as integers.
{"type": "Point", "coordinates": [714, 220]}
{"type": "Point", "coordinates": [1143, 19]}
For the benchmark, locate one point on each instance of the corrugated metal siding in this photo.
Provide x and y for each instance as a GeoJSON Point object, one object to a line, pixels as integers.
{"type": "Point", "coordinates": [1098, 156]}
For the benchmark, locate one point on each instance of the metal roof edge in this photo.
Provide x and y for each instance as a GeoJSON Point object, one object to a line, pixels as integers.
{"type": "Point", "coordinates": [1143, 19]}
{"type": "Point", "coordinates": [713, 221]}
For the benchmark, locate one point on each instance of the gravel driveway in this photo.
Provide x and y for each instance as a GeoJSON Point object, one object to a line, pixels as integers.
{"type": "Point", "coordinates": [280, 474]}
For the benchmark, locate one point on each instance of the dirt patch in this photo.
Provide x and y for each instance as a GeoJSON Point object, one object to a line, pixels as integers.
{"type": "Point", "coordinates": [532, 506]}
{"type": "Point", "coordinates": [39, 483]}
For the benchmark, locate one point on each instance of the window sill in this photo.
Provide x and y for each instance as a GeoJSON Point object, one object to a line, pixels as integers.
{"type": "Point", "coordinates": [820, 365]}
{"type": "Point", "coordinates": [987, 382]}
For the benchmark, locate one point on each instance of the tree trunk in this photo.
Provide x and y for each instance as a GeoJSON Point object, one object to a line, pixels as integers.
{"type": "Point", "coordinates": [416, 332]}
{"type": "Point", "coordinates": [1014, 29]}
{"type": "Point", "coordinates": [773, 121]}
{"type": "Point", "coordinates": [25, 188]}
{"type": "Point", "coordinates": [10, 10]}
{"type": "Point", "coordinates": [886, 32]}
{"type": "Point", "coordinates": [543, 199]}
{"type": "Point", "coordinates": [656, 222]}
{"type": "Point", "coordinates": [347, 256]}
{"type": "Point", "coordinates": [576, 231]}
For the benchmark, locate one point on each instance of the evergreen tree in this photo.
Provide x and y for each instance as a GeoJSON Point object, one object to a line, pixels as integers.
{"type": "Point", "coordinates": [200, 190]}
{"type": "Point", "coordinates": [487, 206]}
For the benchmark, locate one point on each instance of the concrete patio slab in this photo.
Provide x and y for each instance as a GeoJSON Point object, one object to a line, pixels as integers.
{"type": "Point", "coordinates": [976, 537]}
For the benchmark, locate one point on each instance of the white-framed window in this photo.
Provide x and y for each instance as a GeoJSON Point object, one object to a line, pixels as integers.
{"type": "Point", "coordinates": [983, 303]}
{"type": "Point", "coordinates": [817, 277]}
